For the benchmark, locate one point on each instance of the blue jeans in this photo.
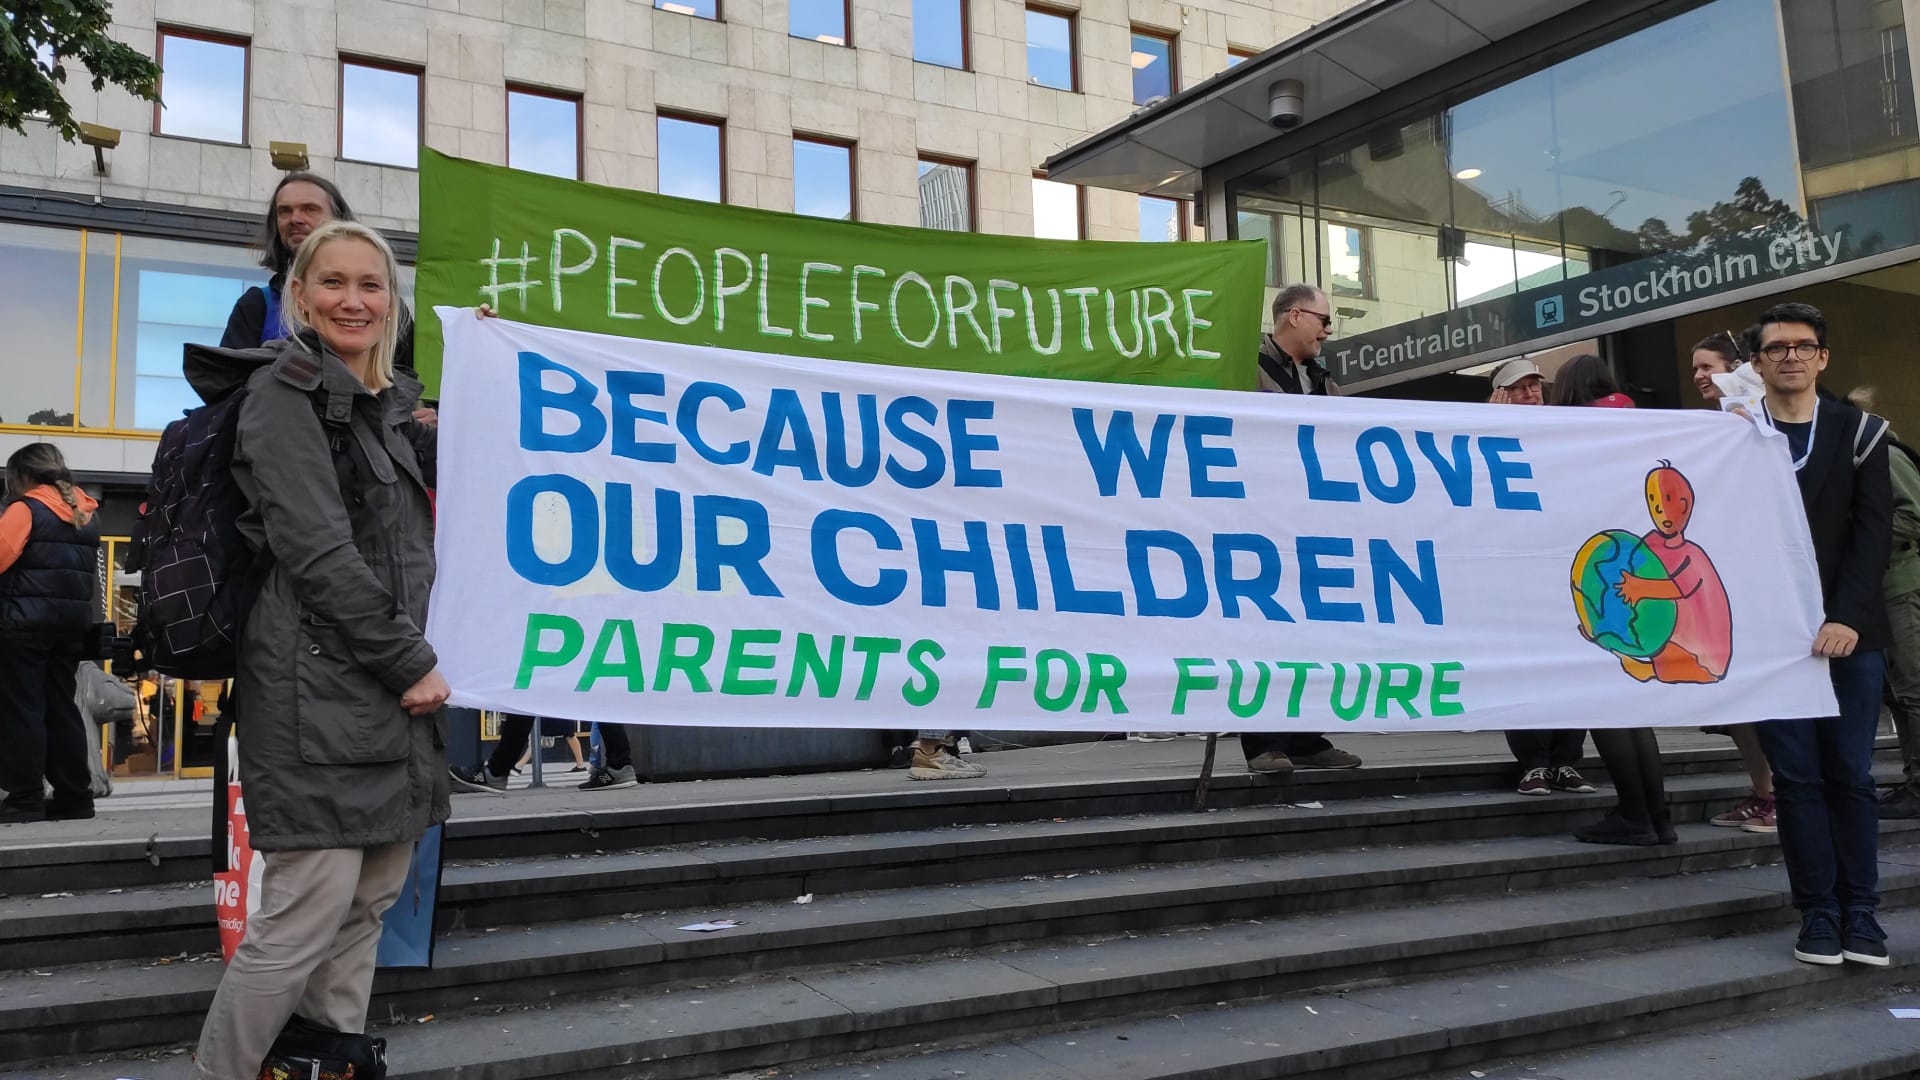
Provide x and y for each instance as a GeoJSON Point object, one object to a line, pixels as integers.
{"type": "Point", "coordinates": [1824, 797]}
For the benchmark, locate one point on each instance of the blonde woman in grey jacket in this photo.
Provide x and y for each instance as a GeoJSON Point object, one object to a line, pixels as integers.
{"type": "Point", "coordinates": [341, 731]}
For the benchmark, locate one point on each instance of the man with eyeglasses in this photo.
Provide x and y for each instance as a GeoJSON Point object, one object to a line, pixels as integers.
{"type": "Point", "coordinates": [1823, 768]}
{"type": "Point", "coordinates": [1290, 356]}
{"type": "Point", "coordinates": [1290, 364]}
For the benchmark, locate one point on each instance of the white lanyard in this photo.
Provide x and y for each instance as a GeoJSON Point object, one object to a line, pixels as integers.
{"type": "Point", "coordinates": [1813, 429]}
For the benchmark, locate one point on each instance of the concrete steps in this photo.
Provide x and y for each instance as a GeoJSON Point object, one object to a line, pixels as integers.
{"type": "Point", "coordinates": [1436, 1027]}
{"type": "Point", "coordinates": [1851, 1040]}
{"type": "Point", "coordinates": [1394, 991]}
{"type": "Point", "coordinates": [1381, 935]}
{"type": "Point", "coordinates": [176, 849]}
{"type": "Point", "coordinates": [170, 918]}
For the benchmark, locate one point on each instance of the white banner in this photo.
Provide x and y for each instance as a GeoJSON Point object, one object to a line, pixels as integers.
{"type": "Point", "coordinates": [640, 532]}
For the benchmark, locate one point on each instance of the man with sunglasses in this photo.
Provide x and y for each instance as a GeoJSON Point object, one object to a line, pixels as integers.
{"type": "Point", "coordinates": [1290, 364]}
{"type": "Point", "coordinates": [1823, 768]}
{"type": "Point", "coordinates": [1290, 356]}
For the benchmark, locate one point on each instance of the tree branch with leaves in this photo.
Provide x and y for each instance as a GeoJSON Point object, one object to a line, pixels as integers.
{"type": "Point", "coordinates": [42, 40]}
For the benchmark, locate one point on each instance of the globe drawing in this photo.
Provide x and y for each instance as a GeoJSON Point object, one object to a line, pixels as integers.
{"type": "Point", "coordinates": [1635, 630]}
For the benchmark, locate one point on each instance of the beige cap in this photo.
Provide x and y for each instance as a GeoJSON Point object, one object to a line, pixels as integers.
{"type": "Point", "coordinates": [1513, 371]}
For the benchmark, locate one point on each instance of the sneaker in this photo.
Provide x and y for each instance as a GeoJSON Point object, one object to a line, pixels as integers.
{"type": "Point", "coordinates": [1755, 806]}
{"type": "Point", "coordinates": [1819, 939]}
{"type": "Point", "coordinates": [482, 781]}
{"type": "Point", "coordinates": [609, 779]}
{"type": "Point", "coordinates": [1615, 829]}
{"type": "Point", "coordinates": [1900, 804]}
{"type": "Point", "coordinates": [22, 815]}
{"type": "Point", "coordinates": [1271, 763]}
{"type": "Point", "coordinates": [1568, 778]}
{"type": "Point", "coordinates": [1864, 942]}
{"type": "Point", "coordinates": [1762, 822]}
{"type": "Point", "coordinates": [1151, 736]}
{"type": "Point", "coordinates": [1536, 782]}
{"type": "Point", "coordinates": [942, 766]}
{"type": "Point", "coordinates": [900, 757]}
{"type": "Point", "coordinates": [578, 768]}
{"type": "Point", "coordinates": [1331, 758]}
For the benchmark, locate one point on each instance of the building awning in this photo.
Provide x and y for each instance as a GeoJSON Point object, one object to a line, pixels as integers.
{"type": "Point", "coordinates": [1371, 47]}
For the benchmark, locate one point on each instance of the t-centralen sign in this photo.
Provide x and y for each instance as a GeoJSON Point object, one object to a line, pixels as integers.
{"type": "Point", "coordinates": [1439, 342]}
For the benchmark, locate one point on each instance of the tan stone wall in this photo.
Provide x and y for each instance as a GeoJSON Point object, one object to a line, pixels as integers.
{"type": "Point", "coordinates": [629, 60]}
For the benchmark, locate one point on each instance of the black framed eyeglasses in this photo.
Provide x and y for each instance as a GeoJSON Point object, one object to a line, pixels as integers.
{"type": "Point", "coordinates": [1778, 352]}
{"type": "Point", "coordinates": [1325, 320]}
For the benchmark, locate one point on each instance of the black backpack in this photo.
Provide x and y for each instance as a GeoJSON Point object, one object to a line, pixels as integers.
{"type": "Point", "coordinates": [198, 575]}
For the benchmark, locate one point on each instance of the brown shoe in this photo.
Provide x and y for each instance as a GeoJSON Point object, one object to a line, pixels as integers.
{"type": "Point", "coordinates": [1271, 763]}
{"type": "Point", "coordinates": [1331, 758]}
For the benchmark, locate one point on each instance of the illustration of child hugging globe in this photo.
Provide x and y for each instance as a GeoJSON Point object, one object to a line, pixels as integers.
{"type": "Point", "coordinates": [1655, 601]}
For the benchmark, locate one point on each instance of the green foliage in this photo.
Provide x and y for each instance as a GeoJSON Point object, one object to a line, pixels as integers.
{"type": "Point", "coordinates": [42, 41]}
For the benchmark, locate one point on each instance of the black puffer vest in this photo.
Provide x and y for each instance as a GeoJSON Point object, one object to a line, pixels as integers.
{"type": "Point", "coordinates": [49, 588]}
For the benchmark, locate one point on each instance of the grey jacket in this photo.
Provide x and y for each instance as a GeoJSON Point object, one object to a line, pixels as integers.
{"type": "Point", "coordinates": [328, 758]}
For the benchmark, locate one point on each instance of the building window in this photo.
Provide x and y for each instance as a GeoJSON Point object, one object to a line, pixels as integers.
{"type": "Point", "coordinates": [818, 20]}
{"type": "Point", "coordinates": [700, 9]}
{"type": "Point", "coordinates": [174, 305]}
{"type": "Point", "coordinates": [379, 113]}
{"type": "Point", "coordinates": [204, 85]}
{"type": "Point", "coordinates": [1153, 74]}
{"type": "Point", "coordinates": [1059, 210]}
{"type": "Point", "coordinates": [1161, 219]}
{"type": "Point", "coordinates": [823, 178]}
{"type": "Point", "coordinates": [1235, 54]}
{"type": "Point", "coordinates": [940, 32]}
{"type": "Point", "coordinates": [946, 194]}
{"type": "Point", "coordinates": [543, 132]}
{"type": "Point", "coordinates": [692, 164]}
{"type": "Point", "coordinates": [1052, 59]}
{"type": "Point", "coordinates": [1349, 263]}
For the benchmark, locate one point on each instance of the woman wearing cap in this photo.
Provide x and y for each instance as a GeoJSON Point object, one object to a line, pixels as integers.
{"type": "Point", "coordinates": [1518, 382]}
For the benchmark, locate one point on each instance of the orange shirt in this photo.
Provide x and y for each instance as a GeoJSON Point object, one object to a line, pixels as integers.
{"type": "Point", "coordinates": [17, 522]}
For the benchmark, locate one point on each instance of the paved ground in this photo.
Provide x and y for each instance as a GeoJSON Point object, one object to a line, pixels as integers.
{"type": "Point", "coordinates": [170, 808]}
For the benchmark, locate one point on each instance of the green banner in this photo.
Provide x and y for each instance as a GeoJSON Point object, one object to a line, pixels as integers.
{"type": "Point", "coordinates": [569, 254]}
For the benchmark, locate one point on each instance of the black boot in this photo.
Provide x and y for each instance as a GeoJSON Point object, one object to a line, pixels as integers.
{"type": "Point", "coordinates": [1618, 829]}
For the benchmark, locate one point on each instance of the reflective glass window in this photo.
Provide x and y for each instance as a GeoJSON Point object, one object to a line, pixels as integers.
{"type": "Point", "coordinates": [946, 195]}
{"type": "Point", "coordinates": [690, 161]}
{"type": "Point", "coordinates": [823, 179]}
{"type": "Point", "coordinates": [1152, 60]}
{"type": "Point", "coordinates": [171, 292]}
{"type": "Point", "coordinates": [379, 114]}
{"type": "Point", "coordinates": [940, 32]}
{"type": "Point", "coordinates": [1608, 185]}
{"type": "Point", "coordinates": [1349, 270]}
{"type": "Point", "coordinates": [1160, 219]}
{"type": "Point", "coordinates": [818, 20]}
{"type": "Point", "coordinates": [1050, 58]}
{"type": "Point", "coordinates": [1852, 86]}
{"type": "Point", "coordinates": [204, 87]}
{"type": "Point", "coordinates": [703, 9]}
{"type": "Point", "coordinates": [1057, 211]}
{"type": "Point", "coordinates": [40, 276]}
{"type": "Point", "coordinates": [543, 133]}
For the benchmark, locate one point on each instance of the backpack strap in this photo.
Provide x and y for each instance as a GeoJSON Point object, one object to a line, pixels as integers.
{"type": "Point", "coordinates": [1867, 435]}
{"type": "Point", "coordinates": [270, 328]}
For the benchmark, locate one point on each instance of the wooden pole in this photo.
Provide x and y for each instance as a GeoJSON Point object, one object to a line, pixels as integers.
{"type": "Point", "coordinates": [1206, 774]}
